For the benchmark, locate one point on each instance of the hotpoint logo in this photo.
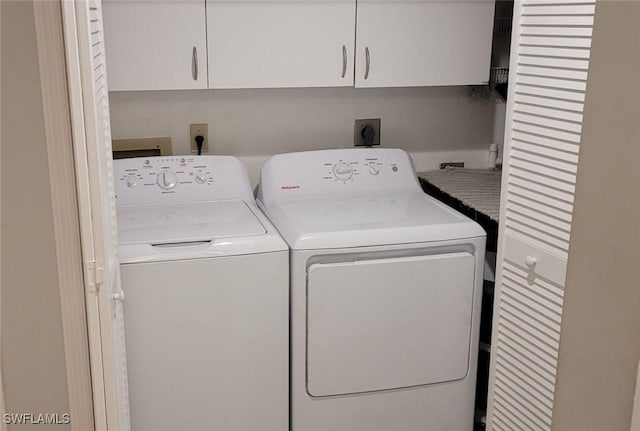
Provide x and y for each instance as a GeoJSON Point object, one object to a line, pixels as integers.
{"type": "Point", "coordinates": [289, 187]}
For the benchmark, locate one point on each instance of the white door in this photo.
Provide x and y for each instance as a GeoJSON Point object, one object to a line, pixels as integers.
{"type": "Point", "coordinates": [419, 43]}
{"type": "Point", "coordinates": [92, 146]}
{"type": "Point", "coordinates": [155, 45]}
{"type": "Point", "coordinates": [388, 323]}
{"type": "Point", "coordinates": [549, 63]}
{"type": "Point", "coordinates": [268, 44]}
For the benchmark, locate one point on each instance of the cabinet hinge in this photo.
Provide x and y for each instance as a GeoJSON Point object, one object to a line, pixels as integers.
{"type": "Point", "coordinates": [96, 276]}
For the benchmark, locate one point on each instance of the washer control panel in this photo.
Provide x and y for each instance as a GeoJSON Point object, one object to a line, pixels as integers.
{"type": "Point", "coordinates": [178, 179]}
{"type": "Point", "coordinates": [167, 173]}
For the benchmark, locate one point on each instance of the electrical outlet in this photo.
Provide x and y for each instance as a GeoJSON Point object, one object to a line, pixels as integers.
{"type": "Point", "coordinates": [366, 127]}
{"type": "Point", "coordinates": [201, 130]}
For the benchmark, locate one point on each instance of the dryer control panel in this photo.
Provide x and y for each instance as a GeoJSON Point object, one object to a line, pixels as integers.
{"type": "Point", "coordinates": [359, 170]}
{"type": "Point", "coordinates": [350, 169]}
{"type": "Point", "coordinates": [160, 180]}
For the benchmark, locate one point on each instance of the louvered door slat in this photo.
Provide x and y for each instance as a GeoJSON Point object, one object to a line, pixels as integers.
{"type": "Point", "coordinates": [556, 31]}
{"type": "Point", "coordinates": [552, 153]}
{"type": "Point", "coordinates": [567, 126]}
{"type": "Point", "coordinates": [548, 76]}
{"type": "Point", "coordinates": [560, 21]}
{"type": "Point", "coordinates": [549, 92]}
{"type": "Point", "coordinates": [567, 42]}
{"type": "Point", "coordinates": [550, 112]}
{"type": "Point", "coordinates": [543, 313]}
{"type": "Point", "coordinates": [540, 172]}
{"type": "Point", "coordinates": [546, 190]}
{"type": "Point", "coordinates": [531, 339]}
{"type": "Point", "coordinates": [521, 406]}
{"type": "Point", "coordinates": [525, 406]}
{"type": "Point", "coordinates": [541, 129]}
{"type": "Point", "coordinates": [526, 212]}
{"type": "Point", "coordinates": [528, 366]}
{"type": "Point", "coordinates": [526, 220]}
{"type": "Point", "coordinates": [557, 62]}
{"type": "Point", "coordinates": [548, 142]}
{"type": "Point", "coordinates": [538, 208]}
{"type": "Point", "coordinates": [523, 316]}
{"type": "Point", "coordinates": [500, 422]}
{"type": "Point", "coordinates": [543, 158]}
{"type": "Point", "coordinates": [519, 330]}
{"type": "Point", "coordinates": [522, 385]}
{"type": "Point", "coordinates": [553, 73]}
{"type": "Point", "coordinates": [528, 192]}
{"type": "Point", "coordinates": [509, 338]}
{"type": "Point", "coordinates": [555, 51]}
{"type": "Point", "coordinates": [558, 9]}
{"type": "Point", "coordinates": [543, 81]}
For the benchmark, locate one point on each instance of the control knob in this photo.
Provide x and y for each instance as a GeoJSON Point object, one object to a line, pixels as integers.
{"type": "Point", "coordinates": [132, 180]}
{"type": "Point", "coordinates": [342, 171]}
{"type": "Point", "coordinates": [200, 178]}
{"type": "Point", "coordinates": [167, 180]}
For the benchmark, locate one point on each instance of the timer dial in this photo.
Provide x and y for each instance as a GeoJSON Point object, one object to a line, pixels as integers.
{"type": "Point", "coordinates": [200, 178]}
{"type": "Point", "coordinates": [342, 171]}
{"type": "Point", "coordinates": [132, 180]}
{"type": "Point", "coordinates": [167, 180]}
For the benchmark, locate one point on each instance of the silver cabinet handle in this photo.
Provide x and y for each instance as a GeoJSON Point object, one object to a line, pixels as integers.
{"type": "Point", "coordinates": [344, 61]}
{"type": "Point", "coordinates": [194, 63]}
{"type": "Point", "coordinates": [368, 62]}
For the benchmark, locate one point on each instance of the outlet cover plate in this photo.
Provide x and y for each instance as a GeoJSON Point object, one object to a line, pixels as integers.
{"type": "Point", "coordinates": [195, 130]}
{"type": "Point", "coordinates": [358, 140]}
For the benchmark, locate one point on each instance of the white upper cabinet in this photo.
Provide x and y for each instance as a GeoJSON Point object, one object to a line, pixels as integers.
{"type": "Point", "coordinates": [187, 44]}
{"type": "Point", "coordinates": [270, 44]}
{"type": "Point", "coordinates": [155, 44]}
{"type": "Point", "coordinates": [423, 43]}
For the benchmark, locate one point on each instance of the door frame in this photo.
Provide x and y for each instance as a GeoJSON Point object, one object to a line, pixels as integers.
{"type": "Point", "coordinates": [59, 60]}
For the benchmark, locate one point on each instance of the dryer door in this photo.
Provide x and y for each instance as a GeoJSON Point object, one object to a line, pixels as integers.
{"type": "Point", "coordinates": [388, 323]}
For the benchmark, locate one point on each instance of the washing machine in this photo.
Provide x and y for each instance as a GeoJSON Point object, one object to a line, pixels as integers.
{"type": "Point", "coordinates": [386, 287]}
{"type": "Point", "coordinates": [206, 306]}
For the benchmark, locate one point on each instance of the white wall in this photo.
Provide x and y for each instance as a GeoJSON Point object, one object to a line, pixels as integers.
{"type": "Point", "coordinates": [434, 124]}
{"type": "Point", "coordinates": [32, 353]}
{"type": "Point", "coordinates": [599, 342]}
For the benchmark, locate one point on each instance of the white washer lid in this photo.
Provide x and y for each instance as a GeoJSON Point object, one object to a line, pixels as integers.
{"type": "Point", "coordinates": [194, 222]}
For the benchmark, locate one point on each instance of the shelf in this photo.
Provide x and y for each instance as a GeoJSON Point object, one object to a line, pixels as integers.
{"type": "Point", "coordinates": [502, 25]}
{"type": "Point", "coordinates": [498, 80]}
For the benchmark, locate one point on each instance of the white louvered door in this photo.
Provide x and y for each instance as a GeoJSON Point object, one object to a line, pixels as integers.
{"type": "Point", "coordinates": [549, 63]}
{"type": "Point", "coordinates": [94, 171]}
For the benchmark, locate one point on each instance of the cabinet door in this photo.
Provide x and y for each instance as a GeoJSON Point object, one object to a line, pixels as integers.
{"type": "Point", "coordinates": [420, 43]}
{"type": "Point", "coordinates": [550, 53]}
{"type": "Point", "coordinates": [270, 44]}
{"type": "Point", "coordinates": [155, 45]}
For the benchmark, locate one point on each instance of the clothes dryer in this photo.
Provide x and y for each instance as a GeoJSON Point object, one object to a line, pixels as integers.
{"type": "Point", "coordinates": [386, 287]}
